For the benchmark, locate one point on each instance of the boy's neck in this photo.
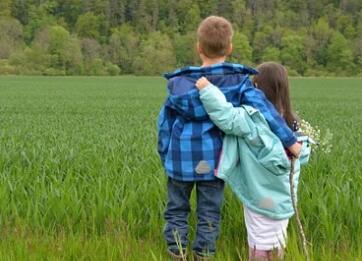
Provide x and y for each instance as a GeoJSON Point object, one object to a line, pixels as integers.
{"type": "Point", "coordinates": [210, 61]}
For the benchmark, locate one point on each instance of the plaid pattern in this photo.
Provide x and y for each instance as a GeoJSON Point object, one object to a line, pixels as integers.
{"type": "Point", "coordinates": [216, 69]}
{"type": "Point", "coordinates": [189, 144]}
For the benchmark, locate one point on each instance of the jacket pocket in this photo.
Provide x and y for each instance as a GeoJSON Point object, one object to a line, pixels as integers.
{"type": "Point", "coordinates": [274, 157]}
{"type": "Point", "coordinates": [269, 151]}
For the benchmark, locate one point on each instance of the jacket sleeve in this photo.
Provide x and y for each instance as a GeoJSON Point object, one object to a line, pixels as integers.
{"type": "Point", "coordinates": [166, 118]}
{"type": "Point", "coordinates": [229, 119]}
{"type": "Point", "coordinates": [306, 149]}
{"type": "Point", "coordinates": [256, 98]}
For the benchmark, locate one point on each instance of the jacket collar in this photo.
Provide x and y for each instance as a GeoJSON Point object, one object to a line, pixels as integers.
{"type": "Point", "coordinates": [215, 69]}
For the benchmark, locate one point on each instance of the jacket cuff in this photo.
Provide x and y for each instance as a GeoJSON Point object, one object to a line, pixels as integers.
{"type": "Point", "coordinates": [289, 142]}
{"type": "Point", "coordinates": [209, 86]}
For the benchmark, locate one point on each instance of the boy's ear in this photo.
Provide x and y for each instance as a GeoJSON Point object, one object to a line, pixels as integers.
{"type": "Point", "coordinates": [230, 49]}
{"type": "Point", "coordinates": [198, 48]}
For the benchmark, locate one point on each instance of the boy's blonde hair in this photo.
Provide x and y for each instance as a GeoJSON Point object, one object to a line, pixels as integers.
{"type": "Point", "coordinates": [214, 36]}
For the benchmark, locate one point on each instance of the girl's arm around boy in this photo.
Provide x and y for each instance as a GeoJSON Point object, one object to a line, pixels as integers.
{"type": "Point", "coordinates": [229, 119]}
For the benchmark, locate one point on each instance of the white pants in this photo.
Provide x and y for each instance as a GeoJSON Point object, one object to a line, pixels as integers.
{"type": "Point", "coordinates": [265, 233]}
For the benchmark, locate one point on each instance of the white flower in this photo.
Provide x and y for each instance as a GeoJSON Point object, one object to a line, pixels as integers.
{"type": "Point", "coordinates": [324, 141]}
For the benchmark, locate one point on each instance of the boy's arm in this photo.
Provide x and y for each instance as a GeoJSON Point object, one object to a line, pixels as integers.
{"type": "Point", "coordinates": [277, 124]}
{"type": "Point", "coordinates": [165, 121]}
{"type": "Point", "coordinates": [229, 119]}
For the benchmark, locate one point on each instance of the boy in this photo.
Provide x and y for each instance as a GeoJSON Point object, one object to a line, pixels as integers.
{"type": "Point", "coordinates": [189, 144]}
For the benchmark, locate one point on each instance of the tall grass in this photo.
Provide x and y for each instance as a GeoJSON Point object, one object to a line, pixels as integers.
{"type": "Point", "coordinates": [80, 177]}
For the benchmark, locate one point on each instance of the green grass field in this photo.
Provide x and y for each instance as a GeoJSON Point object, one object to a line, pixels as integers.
{"type": "Point", "coordinates": [80, 177]}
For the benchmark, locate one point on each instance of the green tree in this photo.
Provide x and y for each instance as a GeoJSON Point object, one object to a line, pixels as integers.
{"type": "Point", "coordinates": [30, 60]}
{"type": "Point", "coordinates": [105, 46]}
{"type": "Point", "coordinates": [123, 47]}
{"type": "Point", "coordinates": [91, 49]}
{"type": "Point", "coordinates": [357, 53]}
{"type": "Point", "coordinates": [5, 8]}
{"type": "Point", "coordinates": [58, 38]}
{"type": "Point", "coordinates": [264, 38]}
{"type": "Point", "coordinates": [19, 10]}
{"type": "Point", "coordinates": [292, 53]}
{"type": "Point", "coordinates": [263, 12]}
{"type": "Point", "coordinates": [64, 50]}
{"type": "Point", "coordinates": [224, 8]}
{"type": "Point", "coordinates": [12, 37]}
{"type": "Point", "coordinates": [142, 20]}
{"type": "Point", "coordinates": [116, 12]}
{"type": "Point", "coordinates": [242, 51]}
{"type": "Point", "coordinates": [193, 17]}
{"type": "Point", "coordinates": [339, 54]}
{"type": "Point", "coordinates": [95, 67]}
{"type": "Point", "coordinates": [172, 15]}
{"type": "Point", "coordinates": [156, 55]}
{"type": "Point", "coordinates": [72, 55]}
{"type": "Point", "coordinates": [345, 26]}
{"type": "Point", "coordinates": [39, 17]}
{"type": "Point", "coordinates": [69, 10]}
{"type": "Point", "coordinates": [321, 33]}
{"type": "Point", "coordinates": [238, 12]}
{"type": "Point", "coordinates": [153, 7]}
{"type": "Point", "coordinates": [359, 25]}
{"type": "Point", "coordinates": [296, 13]}
{"type": "Point", "coordinates": [185, 49]}
{"type": "Point", "coordinates": [182, 9]}
{"type": "Point", "coordinates": [88, 25]}
{"type": "Point", "coordinates": [207, 7]}
{"type": "Point", "coordinates": [271, 54]}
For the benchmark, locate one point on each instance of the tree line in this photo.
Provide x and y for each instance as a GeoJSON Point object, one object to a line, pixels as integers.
{"type": "Point", "coordinates": [112, 37]}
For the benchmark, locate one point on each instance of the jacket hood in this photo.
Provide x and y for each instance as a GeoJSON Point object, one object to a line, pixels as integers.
{"type": "Point", "coordinates": [184, 96]}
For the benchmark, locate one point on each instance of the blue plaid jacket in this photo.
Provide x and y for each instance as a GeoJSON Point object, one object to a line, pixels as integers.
{"type": "Point", "coordinates": [189, 144]}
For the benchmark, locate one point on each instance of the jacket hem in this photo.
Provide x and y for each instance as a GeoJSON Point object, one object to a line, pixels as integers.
{"type": "Point", "coordinates": [269, 214]}
{"type": "Point", "coordinates": [263, 212]}
{"type": "Point", "coordinates": [209, 177]}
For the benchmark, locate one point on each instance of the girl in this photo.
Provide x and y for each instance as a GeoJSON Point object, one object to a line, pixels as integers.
{"type": "Point", "coordinates": [253, 161]}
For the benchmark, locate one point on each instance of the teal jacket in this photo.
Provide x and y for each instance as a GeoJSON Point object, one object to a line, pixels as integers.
{"type": "Point", "coordinates": [253, 161]}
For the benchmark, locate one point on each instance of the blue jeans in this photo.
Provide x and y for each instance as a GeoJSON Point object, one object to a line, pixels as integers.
{"type": "Point", "coordinates": [210, 195]}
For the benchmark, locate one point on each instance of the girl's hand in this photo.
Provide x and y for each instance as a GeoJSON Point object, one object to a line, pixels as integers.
{"type": "Point", "coordinates": [295, 149]}
{"type": "Point", "coordinates": [202, 83]}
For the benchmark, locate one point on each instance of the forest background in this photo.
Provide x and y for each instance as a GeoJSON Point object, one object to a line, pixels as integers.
{"type": "Point", "coordinates": [149, 37]}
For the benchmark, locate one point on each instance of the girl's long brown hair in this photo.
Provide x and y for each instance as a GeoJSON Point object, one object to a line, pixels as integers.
{"type": "Point", "coordinates": [273, 81]}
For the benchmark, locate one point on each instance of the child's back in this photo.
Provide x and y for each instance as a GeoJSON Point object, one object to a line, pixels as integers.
{"type": "Point", "coordinates": [189, 142]}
